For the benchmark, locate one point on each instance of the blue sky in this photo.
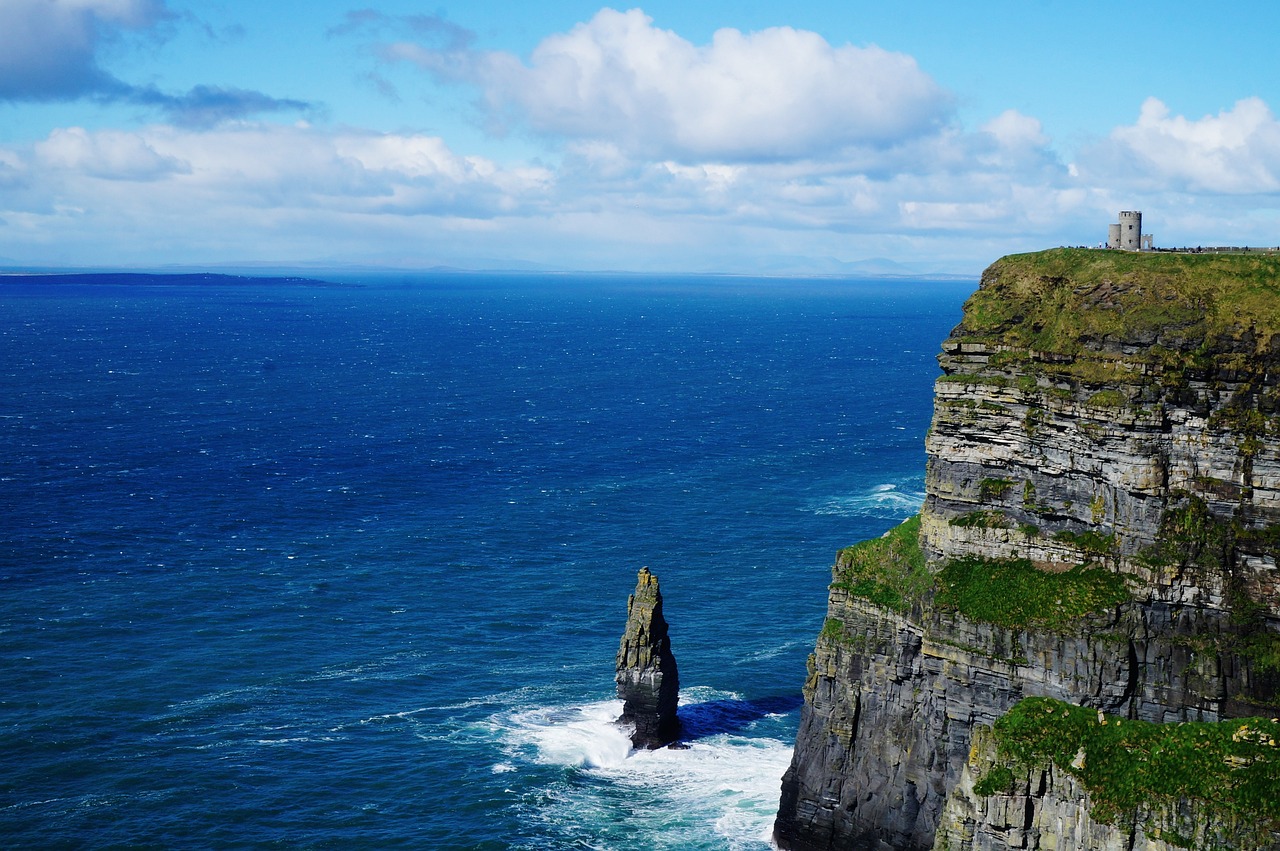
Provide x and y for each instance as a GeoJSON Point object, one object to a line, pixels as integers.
{"type": "Point", "coordinates": [735, 137]}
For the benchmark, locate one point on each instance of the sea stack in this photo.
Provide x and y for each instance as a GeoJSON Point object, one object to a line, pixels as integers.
{"type": "Point", "coordinates": [646, 672]}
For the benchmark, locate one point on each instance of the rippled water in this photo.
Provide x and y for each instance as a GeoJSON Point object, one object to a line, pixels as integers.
{"type": "Point", "coordinates": [347, 567]}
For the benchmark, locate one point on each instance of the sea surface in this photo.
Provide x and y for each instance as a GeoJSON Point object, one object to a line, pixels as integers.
{"type": "Point", "coordinates": [346, 567]}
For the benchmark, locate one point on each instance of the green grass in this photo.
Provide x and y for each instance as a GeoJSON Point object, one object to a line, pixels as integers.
{"type": "Point", "coordinates": [989, 380]}
{"type": "Point", "coordinates": [832, 629]}
{"type": "Point", "coordinates": [998, 779]}
{"type": "Point", "coordinates": [889, 571]}
{"type": "Point", "coordinates": [1094, 544]}
{"type": "Point", "coordinates": [1108, 399]}
{"type": "Point", "coordinates": [1233, 767]}
{"type": "Point", "coordinates": [1014, 593]}
{"type": "Point", "coordinates": [1190, 534]}
{"type": "Point", "coordinates": [1056, 301]}
{"type": "Point", "coordinates": [981, 520]}
{"type": "Point", "coordinates": [993, 488]}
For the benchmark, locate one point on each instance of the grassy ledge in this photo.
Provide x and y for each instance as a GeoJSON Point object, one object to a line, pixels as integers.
{"type": "Point", "coordinates": [889, 571]}
{"type": "Point", "coordinates": [1014, 593]}
{"type": "Point", "coordinates": [1231, 767]}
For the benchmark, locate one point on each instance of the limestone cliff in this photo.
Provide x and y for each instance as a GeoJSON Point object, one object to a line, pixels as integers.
{"type": "Point", "coordinates": [1101, 528]}
{"type": "Point", "coordinates": [647, 679]}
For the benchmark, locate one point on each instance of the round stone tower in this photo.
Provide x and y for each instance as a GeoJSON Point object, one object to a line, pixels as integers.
{"type": "Point", "coordinates": [1113, 236]}
{"type": "Point", "coordinates": [1131, 230]}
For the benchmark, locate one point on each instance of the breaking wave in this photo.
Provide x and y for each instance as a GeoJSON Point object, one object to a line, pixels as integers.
{"type": "Point", "coordinates": [890, 500]}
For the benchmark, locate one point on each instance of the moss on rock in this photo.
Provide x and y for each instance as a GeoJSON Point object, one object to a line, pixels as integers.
{"type": "Point", "coordinates": [889, 571]}
{"type": "Point", "coordinates": [1231, 767]}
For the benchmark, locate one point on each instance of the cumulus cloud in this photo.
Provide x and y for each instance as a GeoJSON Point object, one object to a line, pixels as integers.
{"type": "Point", "coordinates": [751, 144]}
{"type": "Point", "coordinates": [1234, 152]}
{"type": "Point", "coordinates": [253, 191]}
{"type": "Point", "coordinates": [49, 51]}
{"type": "Point", "coordinates": [246, 166]}
{"type": "Point", "coordinates": [110, 155]}
{"type": "Point", "coordinates": [774, 94]}
{"type": "Point", "coordinates": [773, 129]}
{"type": "Point", "coordinates": [279, 192]}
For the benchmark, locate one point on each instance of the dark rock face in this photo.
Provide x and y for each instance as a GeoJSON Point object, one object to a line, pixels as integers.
{"type": "Point", "coordinates": [646, 671]}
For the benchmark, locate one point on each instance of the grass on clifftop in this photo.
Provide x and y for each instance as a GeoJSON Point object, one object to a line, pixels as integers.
{"type": "Point", "coordinates": [1014, 593]}
{"type": "Point", "coordinates": [1052, 301]}
{"type": "Point", "coordinates": [889, 571]}
{"type": "Point", "coordinates": [1232, 766]}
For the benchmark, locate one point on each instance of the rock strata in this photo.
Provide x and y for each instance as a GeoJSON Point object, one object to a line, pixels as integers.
{"type": "Point", "coordinates": [1101, 527]}
{"type": "Point", "coordinates": [648, 682]}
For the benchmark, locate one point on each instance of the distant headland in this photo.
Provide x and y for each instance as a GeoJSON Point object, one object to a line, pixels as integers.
{"type": "Point", "coordinates": [156, 279]}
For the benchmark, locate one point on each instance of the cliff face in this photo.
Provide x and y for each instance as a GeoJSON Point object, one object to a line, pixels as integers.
{"type": "Point", "coordinates": [1101, 527]}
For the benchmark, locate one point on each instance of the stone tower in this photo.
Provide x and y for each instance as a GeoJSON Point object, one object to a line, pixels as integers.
{"type": "Point", "coordinates": [1127, 234]}
{"type": "Point", "coordinates": [1131, 230]}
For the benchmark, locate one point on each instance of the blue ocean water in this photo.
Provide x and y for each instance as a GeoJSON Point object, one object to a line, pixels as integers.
{"type": "Point", "coordinates": [347, 567]}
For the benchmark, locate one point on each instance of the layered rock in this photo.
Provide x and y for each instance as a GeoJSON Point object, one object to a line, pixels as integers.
{"type": "Point", "coordinates": [1101, 409]}
{"type": "Point", "coordinates": [648, 682]}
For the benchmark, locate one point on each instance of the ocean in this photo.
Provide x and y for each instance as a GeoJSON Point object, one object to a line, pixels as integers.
{"type": "Point", "coordinates": [346, 567]}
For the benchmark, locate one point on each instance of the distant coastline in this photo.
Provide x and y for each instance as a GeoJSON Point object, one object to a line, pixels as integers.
{"type": "Point", "coordinates": [157, 279]}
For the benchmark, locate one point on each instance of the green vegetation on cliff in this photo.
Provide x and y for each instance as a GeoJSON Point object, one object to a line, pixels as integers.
{"type": "Point", "coordinates": [1059, 300]}
{"type": "Point", "coordinates": [889, 571]}
{"type": "Point", "coordinates": [1191, 536]}
{"type": "Point", "coordinates": [1014, 593]}
{"type": "Point", "coordinates": [1233, 767]}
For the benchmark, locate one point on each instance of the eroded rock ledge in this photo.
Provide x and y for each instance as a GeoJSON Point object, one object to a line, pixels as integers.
{"type": "Point", "coordinates": [1101, 527]}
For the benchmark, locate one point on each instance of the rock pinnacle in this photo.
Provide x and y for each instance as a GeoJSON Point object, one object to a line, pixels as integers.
{"type": "Point", "coordinates": [646, 671]}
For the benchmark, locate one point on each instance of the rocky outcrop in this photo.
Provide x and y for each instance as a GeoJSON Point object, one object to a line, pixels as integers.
{"type": "Point", "coordinates": [1043, 808]}
{"type": "Point", "coordinates": [1101, 527]}
{"type": "Point", "coordinates": [648, 682]}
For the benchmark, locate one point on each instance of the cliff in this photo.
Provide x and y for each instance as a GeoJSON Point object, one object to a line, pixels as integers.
{"type": "Point", "coordinates": [1101, 528]}
{"type": "Point", "coordinates": [646, 674]}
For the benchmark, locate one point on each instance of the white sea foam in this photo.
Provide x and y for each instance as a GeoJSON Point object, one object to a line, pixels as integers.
{"type": "Point", "coordinates": [583, 736]}
{"type": "Point", "coordinates": [721, 791]}
{"type": "Point", "coordinates": [883, 500]}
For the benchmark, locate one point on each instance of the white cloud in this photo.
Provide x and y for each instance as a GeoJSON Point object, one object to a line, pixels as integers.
{"type": "Point", "coordinates": [774, 94]}
{"type": "Point", "coordinates": [1012, 129]}
{"type": "Point", "coordinates": [1236, 151]}
{"type": "Point", "coordinates": [112, 155]}
{"type": "Point", "coordinates": [267, 191]}
{"type": "Point", "coordinates": [247, 191]}
{"type": "Point", "coordinates": [664, 154]}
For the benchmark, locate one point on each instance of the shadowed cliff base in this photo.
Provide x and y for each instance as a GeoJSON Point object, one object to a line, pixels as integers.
{"type": "Point", "coordinates": [716, 717]}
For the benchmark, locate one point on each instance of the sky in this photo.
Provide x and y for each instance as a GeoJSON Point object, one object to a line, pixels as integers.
{"type": "Point", "coordinates": [742, 137]}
